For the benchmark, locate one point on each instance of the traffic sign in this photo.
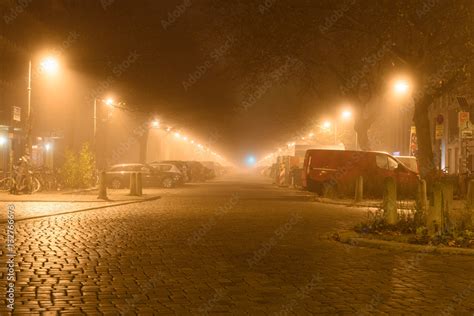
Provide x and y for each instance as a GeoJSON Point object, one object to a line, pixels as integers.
{"type": "Point", "coordinates": [464, 120]}
{"type": "Point", "coordinates": [16, 113]}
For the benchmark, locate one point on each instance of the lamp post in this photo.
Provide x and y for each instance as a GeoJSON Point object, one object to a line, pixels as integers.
{"type": "Point", "coordinates": [110, 103]}
{"type": "Point", "coordinates": [48, 65]}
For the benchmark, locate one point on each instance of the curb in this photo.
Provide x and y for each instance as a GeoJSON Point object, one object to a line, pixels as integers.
{"type": "Point", "coordinates": [354, 239]}
{"type": "Point", "coordinates": [353, 204]}
{"type": "Point", "coordinates": [153, 198]}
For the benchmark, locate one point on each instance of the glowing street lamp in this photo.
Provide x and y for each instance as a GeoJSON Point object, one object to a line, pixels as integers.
{"type": "Point", "coordinates": [155, 124]}
{"type": "Point", "coordinates": [327, 124]}
{"type": "Point", "coordinates": [3, 140]}
{"type": "Point", "coordinates": [346, 114]}
{"type": "Point", "coordinates": [401, 87]}
{"type": "Point", "coordinates": [50, 65]}
{"type": "Point", "coordinates": [109, 102]}
{"type": "Point", "coordinates": [48, 146]}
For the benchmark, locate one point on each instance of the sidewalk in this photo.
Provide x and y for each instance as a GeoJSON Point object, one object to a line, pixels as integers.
{"type": "Point", "coordinates": [53, 203]}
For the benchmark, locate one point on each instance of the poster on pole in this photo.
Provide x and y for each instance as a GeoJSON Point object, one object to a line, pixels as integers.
{"type": "Point", "coordinates": [16, 113]}
{"type": "Point", "coordinates": [413, 142]}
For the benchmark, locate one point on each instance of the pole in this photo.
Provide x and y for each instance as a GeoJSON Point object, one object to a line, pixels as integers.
{"type": "Point", "coordinates": [357, 141]}
{"type": "Point", "coordinates": [335, 133]}
{"type": "Point", "coordinates": [95, 122]}
{"type": "Point", "coordinates": [29, 120]}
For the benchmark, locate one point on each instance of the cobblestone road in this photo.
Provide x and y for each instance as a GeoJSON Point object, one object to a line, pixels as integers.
{"type": "Point", "coordinates": [234, 246]}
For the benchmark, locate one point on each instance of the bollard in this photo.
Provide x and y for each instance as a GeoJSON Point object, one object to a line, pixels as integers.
{"type": "Point", "coordinates": [422, 199]}
{"type": "Point", "coordinates": [133, 184]}
{"type": "Point", "coordinates": [139, 184]}
{"type": "Point", "coordinates": [470, 199]}
{"type": "Point", "coordinates": [470, 195]}
{"type": "Point", "coordinates": [359, 189]}
{"type": "Point", "coordinates": [103, 186]}
{"type": "Point", "coordinates": [448, 197]}
{"type": "Point", "coordinates": [390, 201]}
{"type": "Point", "coordinates": [434, 216]}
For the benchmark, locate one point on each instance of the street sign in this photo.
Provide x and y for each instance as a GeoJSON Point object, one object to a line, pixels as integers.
{"type": "Point", "coordinates": [467, 134]}
{"type": "Point", "coordinates": [464, 120]}
{"type": "Point", "coordinates": [16, 113]}
{"type": "Point", "coordinates": [439, 132]}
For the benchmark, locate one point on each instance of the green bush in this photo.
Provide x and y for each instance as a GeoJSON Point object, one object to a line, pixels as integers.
{"type": "Point", "coordinates": [78, 171]}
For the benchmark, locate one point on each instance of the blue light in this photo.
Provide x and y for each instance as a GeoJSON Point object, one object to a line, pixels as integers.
{"type": "Point", "coordinates": [250, 160]}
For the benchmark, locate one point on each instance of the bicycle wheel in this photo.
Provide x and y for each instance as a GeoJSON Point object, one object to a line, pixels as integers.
{"type": "Point", "coordinates": [35, 185]}
{"type": "Point", "coordinates": [6, 184]}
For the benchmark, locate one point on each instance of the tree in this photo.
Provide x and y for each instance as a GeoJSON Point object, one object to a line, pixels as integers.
{"type": "Point", "coordinates": [351, 49]}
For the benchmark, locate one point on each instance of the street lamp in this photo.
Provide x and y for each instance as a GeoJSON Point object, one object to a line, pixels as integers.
{"type": "Point", "coordinates": [346, 114]}
{"type": "Point", "coordinates": [48, 65]}
{"type": "Point", "coordinates": [155, 124]}
{"type": "Point", "coordinates": [401, 87]}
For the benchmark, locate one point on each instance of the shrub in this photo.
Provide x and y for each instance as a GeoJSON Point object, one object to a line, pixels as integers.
{"type": "Point", "coordinates": [78, 171]}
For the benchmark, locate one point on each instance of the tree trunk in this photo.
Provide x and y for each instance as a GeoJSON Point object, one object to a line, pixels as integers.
{"type": "Point", "coordinates": [423, 132]}
{"type": "Point", "coordinates": [362, 127]}
{"type": "Point", "coordinates": [143, 143]}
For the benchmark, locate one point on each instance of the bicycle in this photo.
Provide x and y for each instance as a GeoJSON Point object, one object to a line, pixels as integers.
{"type": "Point", "coordinates": [27, 184]}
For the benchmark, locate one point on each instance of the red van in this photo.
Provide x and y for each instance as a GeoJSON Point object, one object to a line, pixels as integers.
{"type": "Point", "coordinates": [337, 170]}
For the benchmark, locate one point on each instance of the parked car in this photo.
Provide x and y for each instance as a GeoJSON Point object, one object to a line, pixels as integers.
{"type": "Point", "coordinates": [118, 176]}
{"type": "Point", "coordinates": [181, 165]}
{"type": "Point", "coordinates": [338, 170]}
{"type": "Point", "coordinates": [410, 162]}
{"type": "Point", "coordinates": [197, 172]}
{"type": "Point", "coordinates": [211, 171]}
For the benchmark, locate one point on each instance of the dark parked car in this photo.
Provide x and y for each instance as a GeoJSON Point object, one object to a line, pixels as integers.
{"type": "Point", "coordinates": [181, 165]}
{"type": "Point", "coordinates": [197, 172]}
{"type": "Point", "coordinates": [162, 175]}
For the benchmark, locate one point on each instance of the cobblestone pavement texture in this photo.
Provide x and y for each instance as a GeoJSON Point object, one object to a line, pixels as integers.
{"type": "Point", "coordinates": [236, 245]}
{"type": "Point", "coordinates": [45, 204]}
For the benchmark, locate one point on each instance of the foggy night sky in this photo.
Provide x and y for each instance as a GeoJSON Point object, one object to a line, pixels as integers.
{"type": "Point", "coordinates": [109, 31]}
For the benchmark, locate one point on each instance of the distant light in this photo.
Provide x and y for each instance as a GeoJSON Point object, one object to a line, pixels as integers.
{"type": "Point", "coordinates": [177, 135]}
{"type": "Point", "coordinates": [250, 160]}
{"type": "Point", "coordinates": [401, 87]}
{"type": "Point", "coordinates": [155, 124]}
{"type": "Point", "coordinates": [185, 138]}
{"type": "Point", "coordinates": [109, 102]}
{"type": "Point", "coordinates": [48, 146]}
{"type": "Point", "coordinates": [310, 135]}
{"type": "Point", "coordinates": [327, 124]}
{"type": "Point", "coordinates": [168, 129]}
{"type": "Point", "coordinates": [192, 141]}
{"type": "Point", "coordinates": [50, 65]}
{"type": "Point", "coordinates": [3, 140]}
{"type": "Point", "coordinates": [346, 114]}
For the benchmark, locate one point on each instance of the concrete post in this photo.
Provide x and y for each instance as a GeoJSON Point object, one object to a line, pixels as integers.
{"type": "Point", "coordinates": [422, 199]}
{"type": "Point", "coordinates": [390, 201]}
{"type": "Point", "coordinates": [470, 199]}
{"type": "Point", "coordinates": [359, 189]}
{"type": "Point", "coordinates": [434, 216]}
{"type": "Point", "coordinates": [103, 186]}
{"type": "Point", "coordinates": [133, 184]}
{"type": "Point", "coordinates": [139, 184]}
{"type": "Point", "coordinates": [470, 195]}
{"type": "Point", "coordinates": [448, 197]}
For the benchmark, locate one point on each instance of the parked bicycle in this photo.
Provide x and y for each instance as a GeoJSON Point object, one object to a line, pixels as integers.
{"type": "Point", "coordinates": [22, 181]}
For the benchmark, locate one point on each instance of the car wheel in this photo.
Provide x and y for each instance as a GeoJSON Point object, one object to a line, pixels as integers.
{"type": "Point", "coordinates": [168, 183]}
{"type": "Point", "coordinates": [116, 183]}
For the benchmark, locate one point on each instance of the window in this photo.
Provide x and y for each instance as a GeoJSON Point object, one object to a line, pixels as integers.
{"type": "Point", "coordinates": [164, 168]}
{"type": "Point", "coordinates": [381, 161]}
{"type": "Point", "coordinates": [392, 164]}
